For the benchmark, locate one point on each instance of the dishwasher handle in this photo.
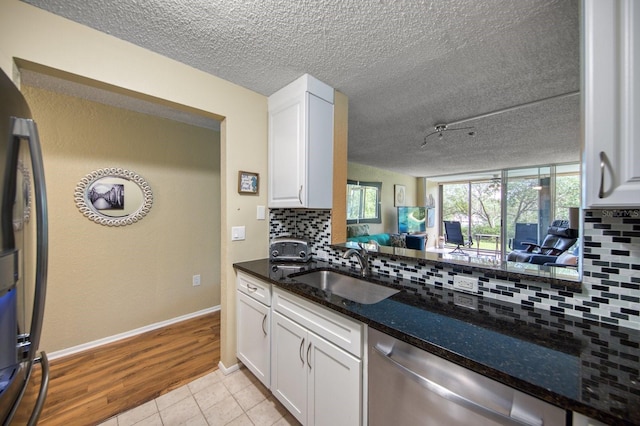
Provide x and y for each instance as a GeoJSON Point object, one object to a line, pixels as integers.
{"type": "Point", "coordinates": [452, 396]}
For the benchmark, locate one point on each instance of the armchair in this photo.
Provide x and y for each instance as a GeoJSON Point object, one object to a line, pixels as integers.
{"type": "Point", "coordinates": [525, 233]}
{"type": "Point", "coordinates": [559, 239]}
{"type": "Point", "coordinates": [453, 235]}
{"type": "Point", "coordinates": [568, 259]}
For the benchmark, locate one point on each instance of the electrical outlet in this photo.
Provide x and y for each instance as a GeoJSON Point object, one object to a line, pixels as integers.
{"type": "Point", "coordinates": [465, 300]}
{"type": "Point", "coordinates": [195, 280]}
{"type": "Point", "coordinates": [465, 283]}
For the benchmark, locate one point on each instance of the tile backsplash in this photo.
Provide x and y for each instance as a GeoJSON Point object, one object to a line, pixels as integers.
{"type": "Point", "coordinates": [611, 272]}
{"type": "Point", "coordinates": [314, 225]}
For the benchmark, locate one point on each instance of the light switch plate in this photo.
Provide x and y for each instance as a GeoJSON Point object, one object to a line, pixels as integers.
{"type": "Point", "coordinates": [261, 213]}
{"type": "Point", "coordinates": [237, 233]}
{"type": "Point", "coordinates": [467, 284]}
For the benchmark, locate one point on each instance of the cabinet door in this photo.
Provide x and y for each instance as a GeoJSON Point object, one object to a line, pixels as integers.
{"type": "Point", "coordinates": [287, 153]}
{"type": "Point", "coordinates": [335, 391]}
{"type": "Point", "coordinates": [253, 341]}
{"type": "Point", "coordinates": [611, 96]}
{"type": "Point", "coordinates": [318, 191]}
{"type": "Point", "coordinates": [288, 365]}
{"type": "Point", "coordinates": [582, 420]}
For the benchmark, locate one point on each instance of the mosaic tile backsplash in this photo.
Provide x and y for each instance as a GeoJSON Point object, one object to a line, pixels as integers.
{"type": "Point", "coordinates": [611, 272]}
{"type": "Point", "coordinates": [314, 225]}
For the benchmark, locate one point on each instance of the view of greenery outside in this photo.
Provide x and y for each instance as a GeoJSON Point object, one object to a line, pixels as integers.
{"type": "Point", "coordinates": [477, 204]}
{"type": "Point", "coordinates": [363, 200]}
{"type": "Point", "coordinates": [485, 208]}
{"type": "Point", "coordinates": [523, 200]}
{"type": "Point", "coordinates": [567, 194]}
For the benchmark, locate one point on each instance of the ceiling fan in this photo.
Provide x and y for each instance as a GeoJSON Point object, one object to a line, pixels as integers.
{"type": "Point", "coordinates": [442, 128]}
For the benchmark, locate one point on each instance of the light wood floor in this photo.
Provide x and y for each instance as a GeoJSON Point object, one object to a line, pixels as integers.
{"type": "Point", "coordinates": [91, 386]}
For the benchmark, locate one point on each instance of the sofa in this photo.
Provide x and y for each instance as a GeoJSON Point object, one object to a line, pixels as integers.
{"type": "Point", "coordinates": [360, 234]}
{"type": "Point", "coordinates": [381, 239]}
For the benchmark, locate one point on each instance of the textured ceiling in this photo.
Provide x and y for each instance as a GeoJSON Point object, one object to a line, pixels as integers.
{"type": "Point", "coordinates": [405, 65]}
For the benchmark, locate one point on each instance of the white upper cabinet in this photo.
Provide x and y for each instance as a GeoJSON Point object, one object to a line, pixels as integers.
{"type": "Point", "coordinates": [301, 145]}
{"type": "Point", "coordinates": [611, 96]}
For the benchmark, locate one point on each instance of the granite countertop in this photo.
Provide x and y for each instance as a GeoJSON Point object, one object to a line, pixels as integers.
{"type": "Point", "coordinates": [577, 364]}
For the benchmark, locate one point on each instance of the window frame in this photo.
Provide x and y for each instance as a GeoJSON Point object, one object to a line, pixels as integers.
{"type": "Point", "coordinates": [360, 219]}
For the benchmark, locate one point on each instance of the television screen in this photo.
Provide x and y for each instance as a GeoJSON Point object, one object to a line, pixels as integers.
{"type": "Point", "coordinates": [412, 219]}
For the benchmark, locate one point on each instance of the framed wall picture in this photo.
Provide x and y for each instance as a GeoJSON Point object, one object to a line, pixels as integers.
{"type": "Point", "coordinates": [431, 217]}
{"type": "Point", "coordinates": [113, 197]}
{"type": "Point", "coordinates": [248, 183]}
{"type": "Point", "coordinates": [399, 195]}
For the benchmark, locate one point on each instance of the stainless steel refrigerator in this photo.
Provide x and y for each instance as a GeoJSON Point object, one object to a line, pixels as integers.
{"type": "Point", "coordinates": [23, 260]}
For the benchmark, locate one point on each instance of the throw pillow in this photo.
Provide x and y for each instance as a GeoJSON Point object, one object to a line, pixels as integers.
{"type": "Point", "coordinates": [398, 240]}
{"type": "Point", "coordinates": [358, 230]}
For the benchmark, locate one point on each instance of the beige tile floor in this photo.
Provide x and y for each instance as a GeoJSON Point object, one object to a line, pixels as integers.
{"type": "Point", "coordinates": [237, 399]}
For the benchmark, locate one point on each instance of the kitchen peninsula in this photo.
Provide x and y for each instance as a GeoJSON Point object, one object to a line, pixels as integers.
{"type": "Point", "coordinates": [546, 354]}
{"type": "Point", "coordinates": [559, 276]}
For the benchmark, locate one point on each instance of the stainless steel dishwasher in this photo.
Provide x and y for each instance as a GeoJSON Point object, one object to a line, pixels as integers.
{"type": "Point", "coordinates": [408, 386]}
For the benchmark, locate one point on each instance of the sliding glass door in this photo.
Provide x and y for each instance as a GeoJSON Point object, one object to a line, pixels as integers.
{"type": "Point", "coordinates": [476, 205]}
{"type": "Point", "coordinates": [486, 216]}
{"type": "Point", "coordinates": [534, 198]}
{"type": "Point", "coordinates": [528, 205]}
{"type": "Point", "coordinates": [500, 211]}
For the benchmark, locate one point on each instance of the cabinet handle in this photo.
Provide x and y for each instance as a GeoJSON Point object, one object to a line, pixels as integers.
{"type": "Point", "coordinates": [300, 194]}
{"type": "Point", "coordinates": [308, 361]}
{"type": "Point", "coordinates": [601, 190]}
{"type": "Point", "coordinates": [251, 288]}
{"type": "Point", "coordinates": [302, 351]}
{"type": "Point", "coordinates": [264, 320]}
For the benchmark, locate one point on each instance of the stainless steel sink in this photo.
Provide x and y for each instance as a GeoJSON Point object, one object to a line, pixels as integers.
{"type": "Point", "coordinates": [351, 288]}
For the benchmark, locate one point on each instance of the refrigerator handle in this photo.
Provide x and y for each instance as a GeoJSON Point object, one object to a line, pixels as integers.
{"type": "Point", "coordinates": [44, 386]}
{"type": "Point", "coordinates": [26, 128]}
{"type": "Point", "coordinates": [42, 393]}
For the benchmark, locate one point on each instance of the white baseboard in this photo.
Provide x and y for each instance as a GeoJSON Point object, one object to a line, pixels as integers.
{"type": "Point", "coordinates": [228, 370]}
{"type": "Point", "coordinates": [131, 333]}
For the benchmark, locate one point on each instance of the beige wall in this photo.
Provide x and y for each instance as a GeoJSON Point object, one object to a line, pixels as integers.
{"type": "Point", "coordinates": [42, 38]}
{"type": "Point", "coordinates": [426, 188]}
{"type": "Point", "coordinates": [389, 179]}
{"type": "Point", "coordinates": [108, 280]}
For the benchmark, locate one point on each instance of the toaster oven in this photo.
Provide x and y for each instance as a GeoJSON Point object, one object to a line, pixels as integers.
{"type": "Point", "coordinates": [286, 249]}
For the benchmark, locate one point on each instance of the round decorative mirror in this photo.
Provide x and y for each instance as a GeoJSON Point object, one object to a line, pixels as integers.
{"type": "Point", "coordinates": [113, 197]}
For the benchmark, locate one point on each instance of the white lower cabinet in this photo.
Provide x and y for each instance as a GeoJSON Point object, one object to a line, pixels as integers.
{"type": "Point", "coordinates": [319, 382]}
{"type": "Point", "coordinates": [582, 420]}
{"type": "Point", "coordinates": [254, 326]}
{"type": "Point", "coordinates": [335, 379]}
{"type": "Point", "coordinates": [254, 321]}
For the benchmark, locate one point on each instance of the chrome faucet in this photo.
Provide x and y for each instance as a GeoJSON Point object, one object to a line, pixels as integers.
{"type": "Point", "coordinates": [363, 258]}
